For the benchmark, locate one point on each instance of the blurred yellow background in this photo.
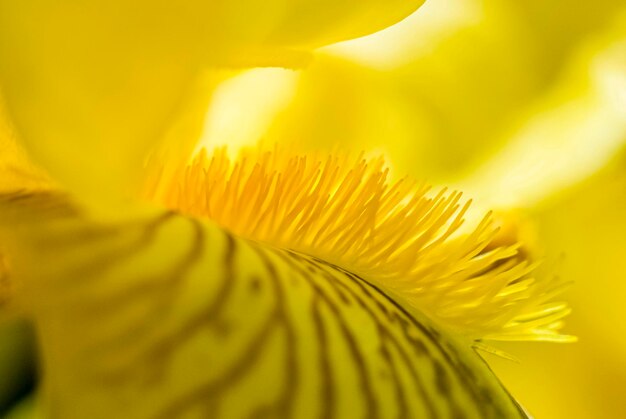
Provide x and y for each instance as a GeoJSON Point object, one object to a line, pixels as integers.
{"type": "Point", "coordinates": [521, 104]}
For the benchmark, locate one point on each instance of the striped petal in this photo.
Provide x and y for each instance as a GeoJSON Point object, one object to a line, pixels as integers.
{"type": "Point", "coordinates": [163, 316]}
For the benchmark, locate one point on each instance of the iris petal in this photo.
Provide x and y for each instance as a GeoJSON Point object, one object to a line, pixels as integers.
{"type": "Point", "coordinates": [91, 86]}
{"type": "Point", "coordinates": [166, 316]}
{"type": "Point", "coordinates": [16, 169]}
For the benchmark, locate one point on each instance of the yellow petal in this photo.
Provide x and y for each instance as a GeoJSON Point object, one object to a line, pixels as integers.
{"type": "Point", "coordinates": [166, 316]}
{"type": "Point", "coordinates": [90, 86]}
{"type": "Point", "coordinates": [441, 100]}
{"type": "Point", "coordinates": [415, 244]}
{"type": "Point", "coordinates": [17, 172]}
{"type": "Point", "coordinates": [586, 223]}
{"type": "Point", "coordinates": [321, 22]}
{"type": "Point", "coordinates": [571, 132]}
{"type": "Point", "coordinates": [415, 93]}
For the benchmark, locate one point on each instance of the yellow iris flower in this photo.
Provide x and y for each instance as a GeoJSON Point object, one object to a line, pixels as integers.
{"type": "Point", "coordinates": [276, 285]}
{"type": "Point", "coordinates": [523, 106]}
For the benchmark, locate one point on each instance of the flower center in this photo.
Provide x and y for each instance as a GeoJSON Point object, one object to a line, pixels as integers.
{"type": "Point", "coordinates": [400, 235]}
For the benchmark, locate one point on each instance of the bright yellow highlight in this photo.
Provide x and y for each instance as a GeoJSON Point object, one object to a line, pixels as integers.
{"type": "Point", "coordinates": [243, 107]}
{"type": "Point", "coordinates": [400, 236]}
{"type": "Point", "coordinates": [580, 124]}
{"type": "Point", "coordinates": [401, 43]}
{"type": "Point", "coordinates": [16, 169]}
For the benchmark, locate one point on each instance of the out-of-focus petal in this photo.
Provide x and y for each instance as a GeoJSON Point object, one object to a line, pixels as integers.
{"type": "Point", "coordinates": [321, 22]}
{"type": "Point", "coordinates": [25, 409]}
{"type": "Point", "coordinates": [165, 316]}
{"type": "Point", "coordinates": [17, 364]}
{"type": "Point", "coordinates": [427, 109]}
{"type": "Point", "coordinates": [90, 86]}
{"type": "Point", "coordinates": [568, 134]}
{"type": "Point", "coordinates": [586, 223]}
{"type": "Point", "coordinates": [445, 102]}
{"type": "Point", "coordinates": [17, 172]}
{"type": "Point", "coordinates": [559, 27]}
{"type": "Point", "coordinates": [17, 361]}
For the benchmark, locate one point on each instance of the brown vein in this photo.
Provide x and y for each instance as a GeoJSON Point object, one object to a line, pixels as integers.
{"type": "Point", "coordinates": [42, 204]}
{"type": "Point", "coordinates": [401, 401]}
{"type": "Point", "coordinates": [206, 316]}
{"type": "Point", "coordinates": [285, 406]}
{"type": "Point", "coordinates": [327, 387]}
{"type": "Point", "coordinates": [167, 284]}
{"type": "Point", "coordinates": [208, 393]}
{"type": "Point", "coordinates": [371, 406]}
{"type": "Point", "coordinates": [382, 330]}
{"type": "Point", "coordinates": [464, 374]}
{"type": "Point", "coordinates": [103, 262]}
